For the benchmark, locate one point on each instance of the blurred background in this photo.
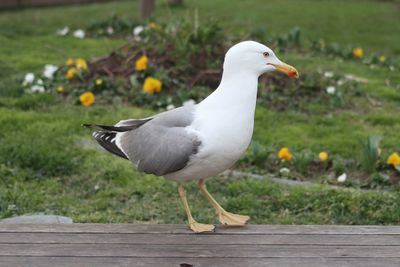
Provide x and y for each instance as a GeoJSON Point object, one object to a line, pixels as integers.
{"type": "Point", "coordinates": [325, 148]}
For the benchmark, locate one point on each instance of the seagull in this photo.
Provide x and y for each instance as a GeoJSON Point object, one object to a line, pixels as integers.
{"type": "Point", "coordinates": [198, 141]}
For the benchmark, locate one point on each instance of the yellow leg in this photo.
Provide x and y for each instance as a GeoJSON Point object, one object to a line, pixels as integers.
{"type": "Point", "coordinates": [194, 226]}
{"type": "Point", "coordinates": [225, 217]}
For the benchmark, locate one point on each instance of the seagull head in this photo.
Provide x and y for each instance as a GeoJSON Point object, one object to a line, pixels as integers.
{"type": "Point", "coordinates": [256, 58]}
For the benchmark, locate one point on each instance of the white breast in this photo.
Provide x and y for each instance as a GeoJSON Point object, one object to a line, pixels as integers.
{"type": "Point", "coordinates": [224, 133]}
{"type": "Point", "coordinates": [224, 123]}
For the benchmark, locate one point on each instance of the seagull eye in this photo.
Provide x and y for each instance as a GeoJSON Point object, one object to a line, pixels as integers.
{"type": "Point", "coordinates": [266, 54]}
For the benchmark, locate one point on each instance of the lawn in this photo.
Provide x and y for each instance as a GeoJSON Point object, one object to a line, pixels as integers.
{"type": "Point", "coordinates": [48, 163]}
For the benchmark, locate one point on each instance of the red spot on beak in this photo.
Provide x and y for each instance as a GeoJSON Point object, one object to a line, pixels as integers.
{"type": "Point", "coordinates": [292, 74]}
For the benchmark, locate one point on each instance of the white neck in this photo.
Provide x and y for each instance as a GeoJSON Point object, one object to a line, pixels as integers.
{"type": "Point", "coordinates": [225, 119]}
{"type": "Point", "coordinates": [235, 89]}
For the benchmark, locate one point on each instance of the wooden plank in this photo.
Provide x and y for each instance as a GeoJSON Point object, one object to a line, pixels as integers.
{"type": "Point", "coordinates": [226, 251]}
{"type": "Point", "coordinates": [172, 245]}
{"type": "Point", "coordinates": [173, 239]}
{"type": "Point", "coordinates": [183, 229]}
{"type": "Point", "coordinates": [196, 262]}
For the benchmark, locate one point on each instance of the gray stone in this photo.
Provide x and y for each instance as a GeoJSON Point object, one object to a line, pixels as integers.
{"type": "Point", "coordinates": [37, 218]}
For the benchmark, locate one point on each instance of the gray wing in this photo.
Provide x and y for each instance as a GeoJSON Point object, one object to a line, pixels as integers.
{"type": "Point", "coordinates": [106, 135]}
{"type": "Point", "coordinates": [162, 145]}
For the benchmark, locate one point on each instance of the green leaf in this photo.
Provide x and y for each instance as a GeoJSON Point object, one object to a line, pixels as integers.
{"type": "Point", "coordinates": [134, 81]}
{"type": "Point", "coordinates": [369, 153]}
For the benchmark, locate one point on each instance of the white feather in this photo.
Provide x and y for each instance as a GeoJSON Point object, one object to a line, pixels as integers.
{"type": "Point", "coordinates": [118, 143]}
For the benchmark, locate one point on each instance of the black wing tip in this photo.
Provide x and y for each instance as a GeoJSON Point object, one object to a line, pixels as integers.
{"type": "Point", "coordinates": [108, 128]}
{"type": "Point", "coordinates": [107, 141]}
{"type": "Point", "coordinates": [114, 128]}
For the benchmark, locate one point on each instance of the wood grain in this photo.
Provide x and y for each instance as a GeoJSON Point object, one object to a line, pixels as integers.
{"type": "Point", "coordinates": [156, 251]}
{"type": "Point", "coordinates": [193, 239]}
{"type": "Point", "coordinates": [183, 229]}
{"type": "Point", "coordinates": [196, 262]}
{"type": "Point", "coordinates": [174, 245]}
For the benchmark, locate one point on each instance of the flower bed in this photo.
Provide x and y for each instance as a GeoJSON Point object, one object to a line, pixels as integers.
{"type": "Point", "coordinates": [162, 66]}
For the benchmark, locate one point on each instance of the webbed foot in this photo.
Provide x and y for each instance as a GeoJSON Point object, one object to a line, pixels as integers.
{"type": "Point", "coordinates": [201, 227]}
{"type": "Point", "coordinates": [228, 218]}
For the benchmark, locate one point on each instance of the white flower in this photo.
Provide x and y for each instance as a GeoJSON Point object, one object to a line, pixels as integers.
{"type": "Point", "coordinates": [328, 74]}
{"type": "Point", "coordinates": [96, 187]}
{"type": "Point", "coordinates": [62, 32]}
{"type": "Point", "coordinates": [39, 82]}
{"type": "Point", "coordinates": [138, 30]}
{"type": "Point", "coordinates": [331, 90]}
{"type": "Point", "coordinates": [340, 82]}
{"type": "Point", "coordinates": [29, 78]}
{"type": "Point", "coordinates": [342, 178]}
{"type": "Point", "coordinates": [49, 71]}
{"type": "Point", "coordinates": [37, 88]}
{"type": "Point", "coordinates": [110, 30]}
{"type": "Point", "coordinates": [284, 171]}
{"type": "Point", "coordinates": [189, 102]}
{"type": "Point", "coordinates": [79, 34]}
{"type": "Point", "coordinates": [170, 106]}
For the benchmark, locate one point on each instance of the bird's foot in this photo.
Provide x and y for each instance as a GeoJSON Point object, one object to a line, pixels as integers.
{"type": "Point", "coordinates": [228, 218]}
{"type": "Point", "coordinates": [201, 227]}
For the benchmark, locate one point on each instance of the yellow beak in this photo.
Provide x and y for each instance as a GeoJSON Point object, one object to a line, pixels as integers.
{"type": "Point", "coordinates": [287, 69]}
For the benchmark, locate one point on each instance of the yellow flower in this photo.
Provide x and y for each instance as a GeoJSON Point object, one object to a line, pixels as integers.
{"type": "Point", "coordinates": [60, 89]}
{"type": "Point", "coordinates": [394, 159]}
{"type": "Point", "coordinates": [70, 62]}
{"type": "Point", "coordinates": [141, 63]}
{"type": "Point", "coordinates": [382, 59]}
{"type": "Point", "coordinates": [358, 52]}
{"type": "Point", "coordinates": [81, 64]}
{"type": "Point", "coordinates": [323, 156]}
{"type": "Point", "coordinates": [99, 82]}
{"type": "Point", "coordinates": [285, 154]}
{"type": "Point", "coordinates": [71, 73]}
{"type": "Point", "coordinates": [152, 25]}
{"type": "Point", "coordinates": [152, 85]}
{"type": "Point", "coordinates": [86, 99]}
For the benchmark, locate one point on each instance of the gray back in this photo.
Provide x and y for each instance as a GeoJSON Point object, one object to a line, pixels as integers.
{"type": "Point", "coordinates": [162, 145]}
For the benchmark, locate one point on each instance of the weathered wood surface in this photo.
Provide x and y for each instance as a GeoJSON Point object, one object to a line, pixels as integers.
{"type": "Point", "coordinates": [173, 245]}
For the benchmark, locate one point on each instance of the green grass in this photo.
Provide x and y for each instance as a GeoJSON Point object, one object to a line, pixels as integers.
{"type": "Point", "coordinates": [367, 23]}
{"type": "Point", "coordinates": [339, 134]}
{"type": "Point", "coordinates": [48, 163]}
{"type": "Point", "coordinates": [29, 35]}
